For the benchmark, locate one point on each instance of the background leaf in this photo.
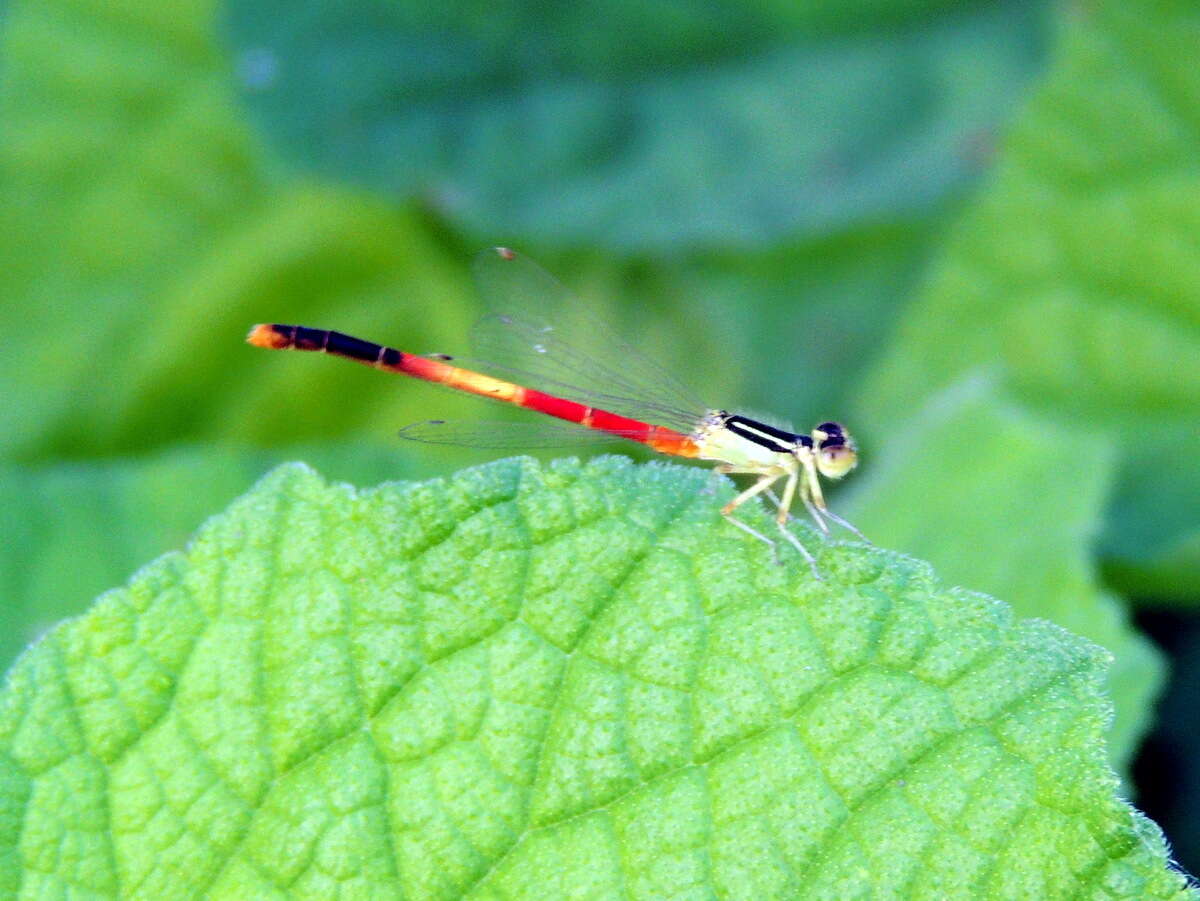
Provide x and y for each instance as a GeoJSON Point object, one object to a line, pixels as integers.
{"type": "Point", "coordinates": [920, 499]}
{"type": "Point", "coordinates": [73, 529]}
{"type": "Point", "coordinates": [1151, 538]}
{"type": "Point", "coordinates": [1077, 278]}
{"type": "Point", "coordinates": [689, 124]}
{"type": "Point", "coordinates": [148, 229]}
{"type": "Point", "coordinates": [798, 323]}
{"type": "Point", "coordinates": [576, 678]}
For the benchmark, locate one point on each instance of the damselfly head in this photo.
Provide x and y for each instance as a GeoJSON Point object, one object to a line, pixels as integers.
{"type": "Point", "coordinates": [835, 450]}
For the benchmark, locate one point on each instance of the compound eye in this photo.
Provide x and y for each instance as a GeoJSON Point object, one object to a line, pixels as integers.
{"type": "Point", "coordinates": [835, 460]}
{"type": "Point", "coordinates": [830, 430]}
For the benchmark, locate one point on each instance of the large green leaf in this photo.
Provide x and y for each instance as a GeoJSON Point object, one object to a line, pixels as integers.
{"type": "Point", "coordinates": [636, 125]}
{"type": "Point", "coordinates": [1077, 278]}
{"type": "Point", "coordinates": [1005, 502]}
{"type": "Point", "coordinates": [71, 530]}
{"type": "Point", "coordinates": [575, 681]}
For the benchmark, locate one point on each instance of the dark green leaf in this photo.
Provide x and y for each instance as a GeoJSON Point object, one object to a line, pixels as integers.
{"type": "Point", "coordinates": [637, 125]}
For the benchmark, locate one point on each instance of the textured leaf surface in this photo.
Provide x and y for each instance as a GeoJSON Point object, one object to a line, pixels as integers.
{"type": "Point", "coordinates": [72, 530]}
{"type": "Point", "coordinates": [1016, 523]}
{"type": "Point", "coordinates": [534, 682]}
{"type": "Point", "coordinates": [667, 131]}
{"type": "Point", "coordinates": [1078, 276]}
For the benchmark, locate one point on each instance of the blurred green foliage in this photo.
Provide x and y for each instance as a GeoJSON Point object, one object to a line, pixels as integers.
{"type": "Point", "coordinates": [1076, 277]}
{"type": "Point", "coordinates": [778, 199]}
{"type": "Point", "coordinates": [994, 541]}
{"type": "Point", "coordinates": [727, 124]}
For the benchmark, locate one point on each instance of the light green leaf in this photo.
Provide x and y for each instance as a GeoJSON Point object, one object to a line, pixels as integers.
{"type": "Point", "coordinates": [571, 681]}
{"type": "Point", "coordinates": [1077, 278]}
{"type": "Point", "coordinates": [724, 125]}
{"type": "Point", "coordinates": [72, 530]}
{"type": "Point", "coordinates": [1016, 521]}
{"type": "Point", "coordinates": [144, 232]}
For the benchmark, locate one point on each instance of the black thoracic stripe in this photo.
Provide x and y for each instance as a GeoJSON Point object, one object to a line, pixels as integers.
{"type": "Point", "coordinates": [771, 430]}
{"type": "Point", "coordinates": [762, 434]}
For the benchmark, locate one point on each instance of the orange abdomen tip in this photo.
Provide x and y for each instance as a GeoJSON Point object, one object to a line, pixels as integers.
{"type": "Point", "coordinates": [268, 336]}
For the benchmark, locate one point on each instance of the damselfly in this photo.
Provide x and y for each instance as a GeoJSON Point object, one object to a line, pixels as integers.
{"type": "Point", "coordinates": [531, 364]}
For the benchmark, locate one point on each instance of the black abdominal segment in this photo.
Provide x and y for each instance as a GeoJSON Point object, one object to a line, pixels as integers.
{"type": "Point", "coordinates": [303, 338]}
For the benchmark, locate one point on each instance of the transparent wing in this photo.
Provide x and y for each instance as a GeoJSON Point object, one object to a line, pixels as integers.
{"type": "Point", "coordinates": [507, 434]}
{"type": "Point", "coordinates": [537, 334]}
